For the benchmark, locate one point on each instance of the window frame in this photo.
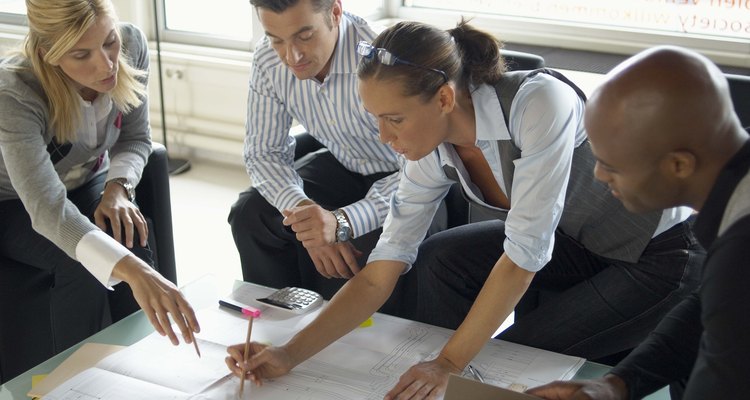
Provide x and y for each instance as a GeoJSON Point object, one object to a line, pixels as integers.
{"type": "Point", "coordinates": [726, 51]}
{"type": "Point", "coordinates": [196, 38]}
{"type": "Point", "coordinates": [579, 36]}
{"type": "Point", "coordinates": [218, 41]}
{"type": "Point", "coordinates": [13, 19]}
{"type": "Point", "coordinates": [12, 31]}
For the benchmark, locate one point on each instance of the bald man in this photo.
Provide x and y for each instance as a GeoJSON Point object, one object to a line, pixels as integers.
{"type": "Point", "coordinates": [664, 133]}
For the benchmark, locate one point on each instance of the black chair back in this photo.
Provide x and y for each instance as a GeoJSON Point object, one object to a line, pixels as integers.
{"type": "Point", "coordinates": [739, 87]}
{"type": "Point", "coordinates": [518, 60]}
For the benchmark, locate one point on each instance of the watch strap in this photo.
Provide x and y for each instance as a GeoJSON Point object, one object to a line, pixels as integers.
{"type": "Point", "coordinates": [129, 189]}
{"type": "Point", "coordinates": [343, 229]}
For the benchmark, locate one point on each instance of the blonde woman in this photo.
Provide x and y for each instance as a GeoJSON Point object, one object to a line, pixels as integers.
{"type": "Point", "coordinates": [74, 138]}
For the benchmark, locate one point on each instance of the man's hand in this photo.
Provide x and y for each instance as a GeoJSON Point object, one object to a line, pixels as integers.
{"type": "Point", "coordinates": [610, 387]}
{"type": "Point", "coordinates": [158, 298]}
{"type": "Point", "coordinates": [121, 214]}
{"type": "Point", "coordinates": [338, 260]}
{"type": "Point", "coordinates": [314, 225]}
{"type": "Point", "coordinates": [426, 380]}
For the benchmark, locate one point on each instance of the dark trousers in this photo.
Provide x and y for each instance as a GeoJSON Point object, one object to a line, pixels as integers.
{"type": "Point", "coordinates": [270, 253]}
{"type": "Point", "coordinates": [79, 304]}
{"type": "Point", "coordinates": [579, 304]}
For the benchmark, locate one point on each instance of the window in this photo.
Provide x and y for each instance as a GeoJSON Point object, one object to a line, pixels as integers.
{"type": "Point", "coordinates": [718, 18]}
{"type": "Point", "coordinates": [226, 23]}
{"type": "Point", "coordinates": [222, 23]}
{"type": "Point", "coordinates": [13, 6]}
{"type": "Point", "coordinates": [12, 12]}
{"type": "Point", "coordinates": [719, 29]}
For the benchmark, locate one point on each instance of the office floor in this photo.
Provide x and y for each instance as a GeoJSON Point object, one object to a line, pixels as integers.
{"type": "Point", "coordinates": [201, 198]}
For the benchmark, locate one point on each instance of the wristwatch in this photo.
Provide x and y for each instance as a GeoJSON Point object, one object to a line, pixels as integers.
{"type": "Point", "coordinates": [343, 229]}
{"type": "Point", "coordinates": [129, 188]}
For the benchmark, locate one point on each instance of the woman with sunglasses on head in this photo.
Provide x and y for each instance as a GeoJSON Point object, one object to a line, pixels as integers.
{"type": "Point", "coordinates": [441, 100]}
{"type": "Point", "coordinates": [74, 139]}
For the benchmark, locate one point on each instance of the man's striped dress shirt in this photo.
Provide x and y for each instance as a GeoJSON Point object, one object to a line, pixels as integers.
{"type": "Point", "coordinates": [330, 111]}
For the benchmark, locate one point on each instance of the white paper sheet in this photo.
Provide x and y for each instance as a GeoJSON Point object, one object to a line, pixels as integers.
{"type": "Point", "coordinates": [95, 384]}
{"type": "Point", "coordinates": [364, 364]}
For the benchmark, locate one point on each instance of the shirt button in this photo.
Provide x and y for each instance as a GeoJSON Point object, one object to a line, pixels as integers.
{"type": "Point", "coordinates": [332, 122]}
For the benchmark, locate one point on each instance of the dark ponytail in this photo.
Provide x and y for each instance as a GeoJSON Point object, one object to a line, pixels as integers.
{"type": "Point", "coordinates": [466, 55]}
{"type": "Point", "coordinates": [480, 54]}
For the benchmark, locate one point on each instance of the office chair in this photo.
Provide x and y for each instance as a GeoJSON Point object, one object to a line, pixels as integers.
{"type": "Point", "coordinates": [518, 60]}
{"type": "Point", "coordinates": [739, 87]}
{"type": "Point", "coordinates": [25, 291]}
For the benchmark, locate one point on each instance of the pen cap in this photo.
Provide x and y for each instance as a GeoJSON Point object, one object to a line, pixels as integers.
{"type": "Point", "coordinates": [252, 312]}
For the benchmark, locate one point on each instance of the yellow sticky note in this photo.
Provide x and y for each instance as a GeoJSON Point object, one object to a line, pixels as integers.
{"type": "Point", "coordinates": [36, 379]}
{"type": "Point", "coordinates": [367, 323]}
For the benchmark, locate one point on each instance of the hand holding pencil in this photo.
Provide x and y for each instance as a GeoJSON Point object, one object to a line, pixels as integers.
{"type": "Point", "coordinates": [256, 361]}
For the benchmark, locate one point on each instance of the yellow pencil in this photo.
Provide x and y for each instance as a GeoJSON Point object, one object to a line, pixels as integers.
{"type": "Point", "coordinates": [250, 314]}
{"type": "Point", "coordinates": [195, 343]}
{"type": "Point", "coordinates": [245, 353]}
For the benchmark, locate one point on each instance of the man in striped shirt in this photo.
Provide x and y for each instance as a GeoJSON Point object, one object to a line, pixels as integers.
{"type": "Point", "coordinates": [308, 220]}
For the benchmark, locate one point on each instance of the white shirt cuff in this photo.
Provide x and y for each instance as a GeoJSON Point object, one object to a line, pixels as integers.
{"type": "Point", "coordinates": [123, 167]}
{"type": "Point", "coordinates": [99, 253]}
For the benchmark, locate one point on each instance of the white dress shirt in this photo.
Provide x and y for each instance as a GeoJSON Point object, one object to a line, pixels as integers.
{"type": "Point", "coordinates": [96, 250]}
{"type": "Point", "coordinates": [546, 124]}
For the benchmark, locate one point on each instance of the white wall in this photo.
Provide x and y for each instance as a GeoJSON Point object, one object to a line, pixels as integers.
{"type": "Point", "coordinates": [205, 93]}
{"type": "Point", "coordinates": [205, 98]}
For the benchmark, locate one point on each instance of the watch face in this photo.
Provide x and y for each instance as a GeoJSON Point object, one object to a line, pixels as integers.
{"type": "Point", "coordinates": [129, 189]}
{"type": "Point", "coordinates": [343, 234]}
{"type": "Point", "coordinates": [131, 192]}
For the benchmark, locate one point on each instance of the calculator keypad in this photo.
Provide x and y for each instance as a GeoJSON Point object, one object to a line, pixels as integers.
{"type": "Point", "coordinates": [296, 300]}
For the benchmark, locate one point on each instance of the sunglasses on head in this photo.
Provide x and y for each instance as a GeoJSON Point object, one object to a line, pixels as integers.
{"type": "Point", "coordinates": [385, 57]}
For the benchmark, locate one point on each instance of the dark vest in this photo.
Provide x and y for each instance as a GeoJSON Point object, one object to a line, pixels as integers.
{"type": "Point", "coordinates": [591, 214]}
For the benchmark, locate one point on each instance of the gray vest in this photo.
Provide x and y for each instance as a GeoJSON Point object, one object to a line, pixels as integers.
{"type": "Point", "coordinates": [591, 215]}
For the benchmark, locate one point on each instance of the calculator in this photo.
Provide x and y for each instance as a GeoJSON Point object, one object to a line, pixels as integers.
{"type": "Point", "coordinates": [294, 299]}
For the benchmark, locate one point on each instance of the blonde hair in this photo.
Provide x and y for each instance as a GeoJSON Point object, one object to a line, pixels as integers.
{"type": "Point", "coordinates": [55, 26]}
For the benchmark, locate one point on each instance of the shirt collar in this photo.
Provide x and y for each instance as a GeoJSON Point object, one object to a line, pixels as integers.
{"type": "Point", "coordinates": [707, 224]}
{"type": "Point", "coordinates": [490, 122]}
{"type": "Point", "coordinates": [344, 46]}
{"type": "Point", "coordinates": [101, 105]}
{"type": "Point", "coordinates": [490, 118]}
